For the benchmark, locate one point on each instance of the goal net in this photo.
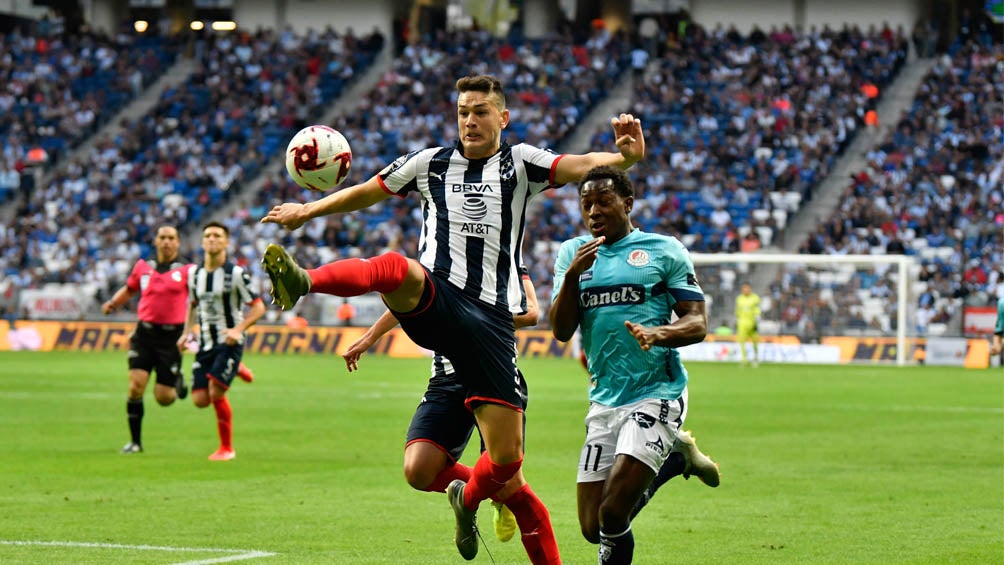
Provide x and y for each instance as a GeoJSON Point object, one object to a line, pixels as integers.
{"type": "Point", "coordinates": [859, 303]}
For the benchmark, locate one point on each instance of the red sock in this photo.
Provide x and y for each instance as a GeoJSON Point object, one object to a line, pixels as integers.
{"type": "Point", "coordinates": [224, 422]}
{"type": "Point", "coordinates": [535, 526]}
{"type": "Point", "coordinates": [352, 277]}
{"type": "Point", "coordinates": [488, 478]}
{"type": "Point", "coordinates": [447, 476]}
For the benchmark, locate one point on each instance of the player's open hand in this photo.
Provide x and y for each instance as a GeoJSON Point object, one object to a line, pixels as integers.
{"type": "Point", "coordinates": [630, 137]}
{"type": "Point", "coordinates": [585, 256]}
{"type": "Point", "coordinates": [289, 215]}
{"type": "Point", "coordinates": [646, 336]}
{"type": "Point", "coordinates": [355, 351]}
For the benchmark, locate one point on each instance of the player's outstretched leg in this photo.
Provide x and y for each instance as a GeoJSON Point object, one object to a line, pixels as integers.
{"type": "Point", "coordinates": [289, 280]}
{"type": "Point", "coordinates": [244, 373]}
{"type": "Point", "coordinates": [466, 536]}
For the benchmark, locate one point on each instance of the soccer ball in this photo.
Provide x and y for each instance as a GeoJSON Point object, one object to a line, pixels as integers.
{"type": "Point", "coordinates": [318, 158]}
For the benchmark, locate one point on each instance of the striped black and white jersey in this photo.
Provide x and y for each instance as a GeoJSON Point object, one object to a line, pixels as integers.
{"type": "Point", "coordinates": [474, 214]}
{"type": "Point", "coordinates": [220, 296]}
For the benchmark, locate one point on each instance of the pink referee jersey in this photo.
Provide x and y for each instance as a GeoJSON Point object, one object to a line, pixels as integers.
{"type": "Point", "coordinates": [163, 296]}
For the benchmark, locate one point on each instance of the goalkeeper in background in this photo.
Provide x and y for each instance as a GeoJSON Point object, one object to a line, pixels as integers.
{"type": "Point", "coordinates": [747, 314]}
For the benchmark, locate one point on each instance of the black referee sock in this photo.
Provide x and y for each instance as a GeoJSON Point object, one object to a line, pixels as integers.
{"type": "Point", "coordinates": [134, 409]}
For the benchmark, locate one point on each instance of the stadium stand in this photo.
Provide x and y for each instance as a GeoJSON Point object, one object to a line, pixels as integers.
{"type": "Point", "coordinates": [251, 92]}
{"type": "Point", "coordinates": [933, 189]}
{"type": "Point", "coordinates": [58, 90]}
{"type": "Point", "coordinates": [739, 132]}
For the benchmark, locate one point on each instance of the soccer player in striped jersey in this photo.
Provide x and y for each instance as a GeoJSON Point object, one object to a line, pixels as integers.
{"type": "Point", "coordinates": [995, 345]}
{"type": "Point", "coordinates": [218, 291]}
{"type": "Point", "coordinates": [442, 425]}
{"type": "Point", "coordinates": [458, 298]}
{"type": "Point", "coordinates": [622, 286]}
{"type": "Point", "coordinates": [162, 286]}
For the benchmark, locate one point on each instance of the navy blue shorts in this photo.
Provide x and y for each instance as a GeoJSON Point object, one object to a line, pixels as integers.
{"type": "Point", "coordinates": [443, 419]}
{"type": "Point", "coordinates": [219, 364]}
{"type": "Point", "coordinates": [477, 338]}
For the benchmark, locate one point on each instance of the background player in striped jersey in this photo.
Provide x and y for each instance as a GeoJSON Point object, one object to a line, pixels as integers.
{"type": "Point", "coordinates": [622, 286]}
{"type": "Point", "coordinates": [218, 290]}
{"type": "Point", "coordinates": [458, 298]}
{"type": "Point", "coordinates": [442, 425]}
{"type": "Point", "coordinates": [747, 315]}
{"type": "Point", "coordinates": [162, 284]}
{"type": "Point", "coordinates": [995, 343]}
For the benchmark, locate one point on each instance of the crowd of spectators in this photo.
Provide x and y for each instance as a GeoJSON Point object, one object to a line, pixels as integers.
{"type": "Point", "coordinates": [56, 89]}
{"type": "Point", "coordinates": [249, 94]}
{"type": "Point", "coordinates": [739, 132]}
{"type": "Point", "coordinates": [932, 189]}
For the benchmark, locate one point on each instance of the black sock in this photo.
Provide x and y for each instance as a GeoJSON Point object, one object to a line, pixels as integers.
{"type": "Point", "coordinates": [671, 467]}
{"type": "Point", "coordinates": [134, 408]}
{"type": "Point", "coordinates": [617, 549]}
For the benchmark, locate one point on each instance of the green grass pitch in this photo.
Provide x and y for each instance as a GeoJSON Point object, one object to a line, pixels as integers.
{"type": "Point", "coordinates": [821, 464]}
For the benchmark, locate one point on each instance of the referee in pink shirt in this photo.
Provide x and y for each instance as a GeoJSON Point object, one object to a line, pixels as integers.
{"type": "Point", "coordinates": [162, 284]}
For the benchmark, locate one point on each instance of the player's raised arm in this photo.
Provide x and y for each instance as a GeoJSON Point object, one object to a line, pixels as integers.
{"type": "Point", "coordinates": [292, 215]}
{"type": "Point", "coordinates": [630, 144]}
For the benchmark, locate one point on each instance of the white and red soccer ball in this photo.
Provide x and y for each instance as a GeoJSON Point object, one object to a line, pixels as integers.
{"type": "Point", "coordinates": [318, 158]}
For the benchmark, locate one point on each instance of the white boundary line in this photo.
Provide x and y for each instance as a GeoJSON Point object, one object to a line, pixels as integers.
{"type": "Point", "coordinates": [241, 554]}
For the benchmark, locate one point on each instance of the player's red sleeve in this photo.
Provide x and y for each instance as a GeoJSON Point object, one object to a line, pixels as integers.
{"type": "Point", "coordinates": [554, 170]}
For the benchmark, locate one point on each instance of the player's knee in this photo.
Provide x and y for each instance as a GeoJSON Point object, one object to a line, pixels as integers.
{"type": "Point", "coordinates": [590, 530]}
{"type": "Point", "coordinates": [613, 516]}
{"type": "Point", "coordinates": [419, 474]}
{"type": "Point", "coordinates": [165, 399]}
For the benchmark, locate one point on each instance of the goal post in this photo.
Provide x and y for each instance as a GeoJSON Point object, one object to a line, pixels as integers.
{"type": "Point", "coordinates": [814, 297]}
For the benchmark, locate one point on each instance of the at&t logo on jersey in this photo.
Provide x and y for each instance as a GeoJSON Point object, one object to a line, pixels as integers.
{"type": "Point", "coordinates": [474, 208]}
{"type": "Point", "coordinates": [612, 295]}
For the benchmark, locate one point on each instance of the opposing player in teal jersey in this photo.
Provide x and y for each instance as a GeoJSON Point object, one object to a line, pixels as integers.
{"type": "Point", "coordinates": [622, 286]}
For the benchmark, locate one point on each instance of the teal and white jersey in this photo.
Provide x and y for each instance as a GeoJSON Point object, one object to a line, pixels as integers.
{"type": "Point", "coordinates": [999, 327]}
{"type": "Point", "coordinates": [638, 278]}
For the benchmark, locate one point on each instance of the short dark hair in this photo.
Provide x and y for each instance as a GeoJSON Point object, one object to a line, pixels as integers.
{"type": "Point", "coordinates": [166, 226]}
{"type": "Point", "coordinates": [482, 83]}
{"type": "Point", "coordinates": [622, 183]}
{"type": "Point", "coordinates": [215, 224]}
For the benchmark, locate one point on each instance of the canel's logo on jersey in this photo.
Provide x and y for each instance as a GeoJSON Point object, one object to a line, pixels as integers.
{"type": "Point", "coordinates": [638, 258]}
{"type": "Point", "coordinates": [601, 296]}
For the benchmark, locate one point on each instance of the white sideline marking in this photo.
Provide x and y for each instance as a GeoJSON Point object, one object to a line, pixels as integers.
{"type": "Point", "coordinates": [240, 554]}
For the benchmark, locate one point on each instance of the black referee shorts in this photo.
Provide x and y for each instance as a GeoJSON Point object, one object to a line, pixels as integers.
{"type": "Point", "coordinates": [154, 347]}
